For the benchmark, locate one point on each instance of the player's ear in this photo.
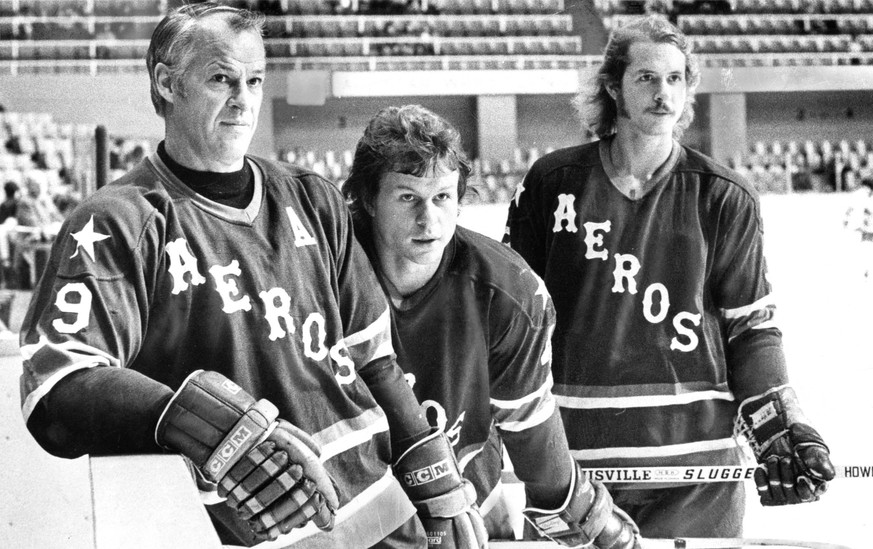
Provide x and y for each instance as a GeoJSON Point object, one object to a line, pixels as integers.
{"type": "Point", "coordinates": [164, 82]}
{"type": "Point", "coordinates": [612, 90]}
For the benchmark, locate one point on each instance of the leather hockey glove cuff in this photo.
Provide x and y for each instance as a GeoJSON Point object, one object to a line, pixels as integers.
{"type": "Point", "coordinates": [587, 518]}
{"type": "Point", "coordinates": [794, 463]}
{"type": "Point", "coordinates": [446, 502]}
{"type": "Point", "coordinates": [267, 469]}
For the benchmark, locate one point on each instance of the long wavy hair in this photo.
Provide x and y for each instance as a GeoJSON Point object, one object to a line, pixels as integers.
{"type": "Point", "coordinates": [597, 109]}
{"type": "Point", "coordinates": [409, 139]}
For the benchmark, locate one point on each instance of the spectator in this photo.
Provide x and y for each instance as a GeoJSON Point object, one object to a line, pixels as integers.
{"type": "Point", "coordinates": [9, 206]}
{"type": "Point", "coordinates": [37, 208]}
{"type": "Point", "coordinates": [8, 221]}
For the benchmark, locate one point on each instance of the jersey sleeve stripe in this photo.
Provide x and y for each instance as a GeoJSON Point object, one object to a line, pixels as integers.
{"type": "Point", "coordinates": [37, 394]}
{"type": "Point", "coordinates": [539, 394]}
{"type": "Point", "coordinates": [527, 418]}
{"type": "Point", "coordinates": [464, 460]}
{"type": "Point", "coordinates": [763, 303]}
{"type": "Point", "coordinates": [68, 347]}
{"type": "Point", "coordinates": [373, 342]}
{"type": "Point", "coordinates": [655, 451]}
{"type": "Point", "coordinates": [56, 361]}
{"type": "Point", "coordinates": [347, 434]}
{"type": "Point", "coordinates": [757, 316]}
{"type": "Point", "coordinates": [492, 499]}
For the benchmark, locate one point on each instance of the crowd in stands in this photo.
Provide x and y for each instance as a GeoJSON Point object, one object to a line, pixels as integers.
{"type": "Point", "coordinates": [492, 180]}
{"type": "Point", "coordinates": [307, 34]}
{"type": "Point", "coordinates": [752, 32]}
{"type": "Point", "coordinates": [823, 166]}
{"type": "Point", "coordinates": [45, 169]}
{"type": "Point", "coordinates": [300, 33]}
{"type": "Point", "coordinates": [815, 166]}
{"type": "Point", "coordinates": [675, 8]}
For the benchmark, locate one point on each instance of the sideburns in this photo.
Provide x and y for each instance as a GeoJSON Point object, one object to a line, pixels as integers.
{"type": "Point", "coordinates": [620, 109]}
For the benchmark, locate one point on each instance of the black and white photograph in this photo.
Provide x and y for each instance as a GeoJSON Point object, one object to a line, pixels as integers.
{"type": "Point", "coordinates": [437, 274]}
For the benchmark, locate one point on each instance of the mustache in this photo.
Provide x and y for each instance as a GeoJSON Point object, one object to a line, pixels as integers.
{"type": "Point", "coordinates": [661, 108]}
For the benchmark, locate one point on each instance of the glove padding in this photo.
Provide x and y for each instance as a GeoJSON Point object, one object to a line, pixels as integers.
{"type": "Point", "coordinates": [268, 469]}
{"type": "Point", "coordinates": [794, 464]}
{"type": "Point", "coordinates": [280, 484]}
{"type": "Point", "coordinates": [446, 502]}
{"type": "Point", "coordinates": [587, 518]}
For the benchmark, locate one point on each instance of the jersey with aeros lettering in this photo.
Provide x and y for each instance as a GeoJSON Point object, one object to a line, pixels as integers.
{"type": "Point", "coordinates": [278, 297]}
{"type": "Point", "coordinates": [664, 313]}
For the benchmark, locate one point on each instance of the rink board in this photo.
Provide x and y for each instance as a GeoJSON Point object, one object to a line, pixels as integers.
{"type": "Point", "coordinates": [54, 503]}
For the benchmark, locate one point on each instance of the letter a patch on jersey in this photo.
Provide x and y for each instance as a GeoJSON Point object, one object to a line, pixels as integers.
{"type": "Point", "coordinates": [301, 235]}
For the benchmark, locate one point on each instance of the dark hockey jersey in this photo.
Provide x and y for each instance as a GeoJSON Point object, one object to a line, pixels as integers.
{"type": "Point", "coordinates": [279, 297]}
{"type": "Point", "coordinates": [664, 314]}
{"type": "Point", "coordinates": [474, 343]}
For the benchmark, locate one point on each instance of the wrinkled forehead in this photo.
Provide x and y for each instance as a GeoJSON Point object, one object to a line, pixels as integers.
{"type": "Point", "coordinates": [217, 39]}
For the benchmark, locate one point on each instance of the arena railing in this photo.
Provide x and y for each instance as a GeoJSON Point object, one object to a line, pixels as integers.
{"type": "Point", "coordinates": [769, 43]}
{"type": "Point", "coordinates": [775, 23]}
{"type": "Point", "coordinates": [95, 67]}
{"type": "Point", "coordinates": [289, 26]}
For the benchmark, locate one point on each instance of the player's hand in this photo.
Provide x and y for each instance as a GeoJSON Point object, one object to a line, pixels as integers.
{"type": "Point", "coordinates": [280, 484]}
{"type": "Point", "coordinates": [587, 518]}
{"type": "Point", "coordinates": [446, 502]}
{"type": "Point", "coordinates": [794, 464]}
{"type": "Point", "coordinates": [222, 429]}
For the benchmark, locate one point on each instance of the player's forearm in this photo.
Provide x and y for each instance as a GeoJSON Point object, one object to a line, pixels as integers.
{"type": "Point", "coordinates": [100, 410]}
{"type": "Point", "coordinates": [541, 459]}
{"type": "Point", "coordinates": [394, 395]}
{"type": "Point", "coordinates": [756, 363]}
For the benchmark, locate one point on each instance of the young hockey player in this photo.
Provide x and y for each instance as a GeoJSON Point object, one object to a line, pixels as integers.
{"type": "Point", "coordinates": [471, 327]}
{"type": "Point", "coordinates": [665, 336]}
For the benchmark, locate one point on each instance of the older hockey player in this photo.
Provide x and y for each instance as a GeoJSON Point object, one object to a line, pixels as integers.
{"type": "Point", "coordinates": [665, 336]}
{"type": "Point", "coordinates": [216, 304]}
{"type": "Point", "coordinates": [471, 326]}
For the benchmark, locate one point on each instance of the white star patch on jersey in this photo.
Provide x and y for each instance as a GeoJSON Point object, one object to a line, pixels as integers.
{"type": "Point", "coordinates": [541, 291]}
{"type": "Point", "coordinates": [86, 239]}
{"type": "Point", "coordinates": [518, 190]}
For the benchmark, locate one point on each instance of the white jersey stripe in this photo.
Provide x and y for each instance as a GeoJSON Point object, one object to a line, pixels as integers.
{"type": "Point", "coordinates": [372, 342]}
{"type": "Point", "coordinates": [492, 499]}
{"type": "Point", "coordinates": [648, 401]}
{"type": "Point", "coordinates": [655, 451]}
{"type": "Point", "coordinates": [519, 402]}
{"type": "Point", "coordinates": [541, 413]}
{"type": "Point", "coordinates": [27, 351]}
{"type": "Point", "coordinates": [379, 326]}
{"type": "Point", "coordinates": [37, 394]}
{"type": "Point", "coordinates": [642, 389]}
{"type": "Point", "coordinates": [357, 511]}
{"type": "Point", "coordinates": [763, 303]}
{"type": "Point", "coordinates": [466, 459]}
{"type": "Point", "coordinates": [347, 434]}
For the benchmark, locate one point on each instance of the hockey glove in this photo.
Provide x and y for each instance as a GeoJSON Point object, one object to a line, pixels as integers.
{"type": "Point", "coordinates": [267, 468]}
{"type": "Point", "coordinates": [446, 502]}
{"type": "Point", "coordinates": [794, 465]}
{"type": "Point", "coordinates": [587, 518]}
